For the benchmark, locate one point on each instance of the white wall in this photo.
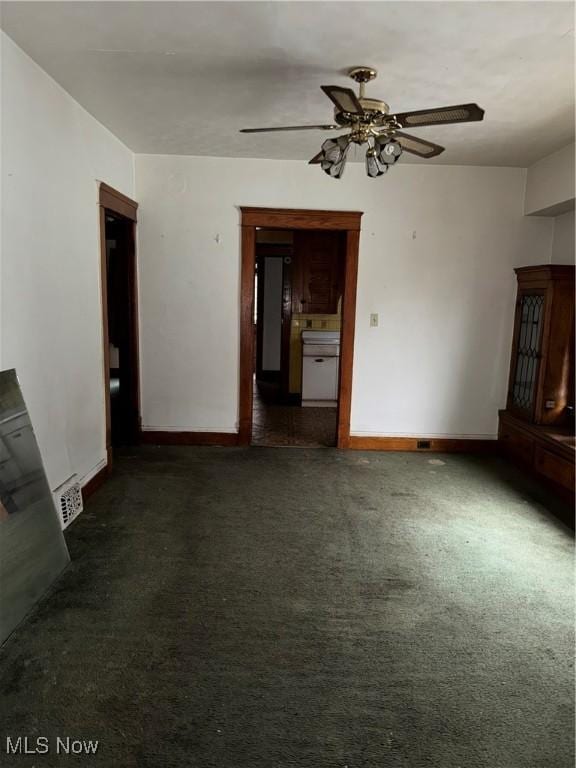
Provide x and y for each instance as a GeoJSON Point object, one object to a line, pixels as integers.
{"type": "Point", "coordinates": [437, 252]}
{"type": "Point", "coordinates": [53, 155]}
{"type": "Point", "coordinates": [550, 183]}
{"type": "Point", "coordinates": [563, 243]}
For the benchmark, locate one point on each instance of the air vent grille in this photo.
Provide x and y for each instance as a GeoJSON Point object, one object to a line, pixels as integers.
{"type": "Point", "coordinates": [68, 503]}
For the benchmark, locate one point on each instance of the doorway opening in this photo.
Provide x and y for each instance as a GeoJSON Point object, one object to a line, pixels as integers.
{"type": "Point", "coordinates": [120, 319]}
{"type": "Point", "coordinates": [299, 285]}
{"type": "Point", "coordinates": [299, 272]}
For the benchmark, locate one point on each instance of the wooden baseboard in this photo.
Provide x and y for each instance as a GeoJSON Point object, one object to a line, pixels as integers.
{"type": "Point", "coordinates": [422, 444]}
{"type": "Point", "coordinates": [95, 482]}
{"type": "Point", "coordinates": [157, 437]}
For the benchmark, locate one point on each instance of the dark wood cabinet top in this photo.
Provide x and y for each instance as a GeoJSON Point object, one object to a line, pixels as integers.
{"type": "Point", "coordinates": [560, 439]}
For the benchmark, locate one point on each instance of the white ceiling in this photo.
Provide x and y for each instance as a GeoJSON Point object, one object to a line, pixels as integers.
{"type": "Point", "coordinates": [183, 77]}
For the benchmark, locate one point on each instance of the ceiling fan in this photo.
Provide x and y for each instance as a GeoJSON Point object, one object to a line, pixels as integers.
{"type": "Point", "coordinates": [371, 123]}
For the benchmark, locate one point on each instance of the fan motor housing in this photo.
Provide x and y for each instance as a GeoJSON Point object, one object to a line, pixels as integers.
{"type": "Point", "coordinates": [375, 105]}
{"type": "Point", "coordinates": [373, 109]}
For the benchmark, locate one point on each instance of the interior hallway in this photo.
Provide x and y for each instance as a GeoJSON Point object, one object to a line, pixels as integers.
{"type": "Point", "coordinates": [275, 424]}
{"type": "Point", "coordinates": [233, 608]}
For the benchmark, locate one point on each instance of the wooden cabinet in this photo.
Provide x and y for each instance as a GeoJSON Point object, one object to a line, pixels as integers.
{"type": "Point", "coordinates": [547, 451]}
{"type": "Point", "coordinates": [318, 272]}
{"type": "Point", "coordinates": [539, 388]}
{"type": "Point", "coordinates": [554, 467]}
{"type": "Point", "coordinates": [537, 427]}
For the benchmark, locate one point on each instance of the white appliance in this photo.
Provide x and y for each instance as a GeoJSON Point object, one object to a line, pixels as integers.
{"type": "Point", "coordinates": [320, 358]}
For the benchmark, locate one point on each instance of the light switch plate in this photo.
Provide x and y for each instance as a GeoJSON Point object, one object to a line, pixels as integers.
{"type": "Point", "coordinates": [374, 320]}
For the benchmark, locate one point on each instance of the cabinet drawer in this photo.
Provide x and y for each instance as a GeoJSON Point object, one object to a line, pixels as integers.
{"type": "Point", "coordinates": [554, 468]}
{"type": "Point", "coordinates": [517, 444]}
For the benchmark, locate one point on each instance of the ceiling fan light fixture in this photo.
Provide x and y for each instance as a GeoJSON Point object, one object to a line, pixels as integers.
{"type": "Point", "coordinates": [374, 165]}
{"type": "Point", "coordinates": [370, 122]}
{"type": "Point", "coordinates": [335, 170]}
{"type": "Point", "coordinates": [333, 149]}
{"type": "Point", "coordinates": [333, 157]}
{"type": "Point", "coordinates": [389, 151]}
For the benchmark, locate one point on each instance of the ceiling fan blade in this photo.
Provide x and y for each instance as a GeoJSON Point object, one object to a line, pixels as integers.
{"type": "Point", "coordinates": [460, 113]}
{"type": "Point", "coordinates": [344, 98]}
{"type": "Point", "coordinates": [291, 128]}
{"type": "Point", "coordinates": [417, 146]}
{"type": "Point", "coordinates": [316, 159]}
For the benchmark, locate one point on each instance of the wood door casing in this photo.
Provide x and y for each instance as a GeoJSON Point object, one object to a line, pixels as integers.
{"type": "Point", "coordinates": [278, 218]}
{"type": "Point", "coordinates": [118, 203]}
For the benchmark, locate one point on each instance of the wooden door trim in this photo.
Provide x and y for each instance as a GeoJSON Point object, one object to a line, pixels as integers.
{"type": "Point", "coordinates": [290, 218]}
{"type": "Point", "coordinates": [115, 201]}
{"type": "Point", "coordinates": [111, 200]}
{"type": "Point", "coordinates": [347, 338]}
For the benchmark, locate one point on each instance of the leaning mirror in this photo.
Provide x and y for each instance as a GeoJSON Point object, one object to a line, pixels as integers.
{"type": "Point", "coordinates": [32, 547]}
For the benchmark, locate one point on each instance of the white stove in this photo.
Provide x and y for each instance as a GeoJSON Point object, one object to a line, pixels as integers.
{"type": "Point", "coordinates": [320, 359]}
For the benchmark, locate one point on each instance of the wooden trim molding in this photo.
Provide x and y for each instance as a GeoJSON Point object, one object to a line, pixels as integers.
{"type": "Point", "coordinates": [95, 482]}
{"type": "Point", "coordinates": [246, 334]}
{"type": "Point", "coordinates": [112, 200]}
{"type": "Point", "coordinates": [158, 437]}
{"type": "Point", "coordinates": [289, 218]}
{"type": "Point", "coordinates": [347, 339]}
{"type": "Point", "coordinates": [116, 201]}
{"type": "Point", "coordinates": [431, 444]}
{"type": "Point", "coordinates": [543, 273]}
{"type": "Point", "coordinates": [105, 335]}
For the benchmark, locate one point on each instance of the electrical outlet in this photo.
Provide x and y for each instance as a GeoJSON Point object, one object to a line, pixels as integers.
{"type": "Point", "coordinates": [374, 320]}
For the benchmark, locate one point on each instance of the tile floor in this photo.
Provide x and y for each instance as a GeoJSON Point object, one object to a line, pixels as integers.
{"type": "Point", "coordinates": [276, 425]}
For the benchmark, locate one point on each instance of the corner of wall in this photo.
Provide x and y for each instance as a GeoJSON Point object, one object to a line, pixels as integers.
{"type": "Point", "coordinates": [550, 184]}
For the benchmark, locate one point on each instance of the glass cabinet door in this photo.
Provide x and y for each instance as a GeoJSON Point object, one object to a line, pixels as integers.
{"type": "Point", "coordinates": [530, 319]}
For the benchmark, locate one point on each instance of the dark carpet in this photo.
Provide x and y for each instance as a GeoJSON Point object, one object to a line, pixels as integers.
{"type": "Point", "coordinates": [261, 608]}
